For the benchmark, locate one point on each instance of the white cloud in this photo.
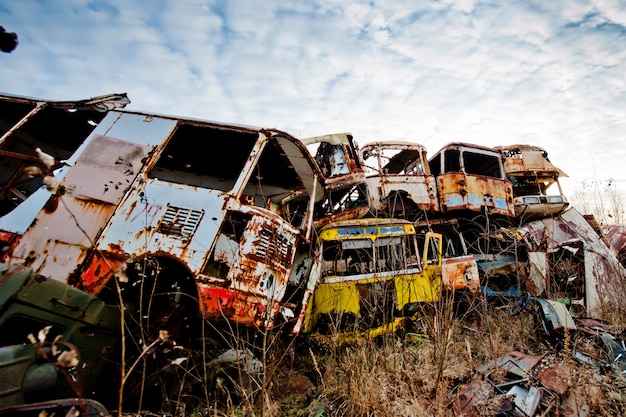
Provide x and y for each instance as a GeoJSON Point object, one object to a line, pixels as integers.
{"type": "Point", "coordinates": [488, 72]}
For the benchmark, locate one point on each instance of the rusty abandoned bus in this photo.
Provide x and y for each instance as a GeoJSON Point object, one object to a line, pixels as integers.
{"type": "Point", "coordinates": [371, 276]}
{"type": "Point", "coordinates": [532, 175]}
{"type": "Point", "coordinates": [151, 197]}
{"type": "Point", "coordinates": [471, 178]}
{"type": "Point", "coordinates": [345, 188]}
{"type": "Point", "coordinates": [399, 181]}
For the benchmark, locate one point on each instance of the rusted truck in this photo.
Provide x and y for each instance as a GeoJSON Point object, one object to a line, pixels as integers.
{"type": "Point", "coordinates": [194, 224]}
{"type": "Point", "coordinates": [372, 276]}
{"type": "Point", "coordinates": [471, 178]}
{"type": "Point", "coordinates": [344, 178]}
{"type": "Point", "coordinates": [399, 181]}
{"type": "Point", "coordinates": [534, 178]}
{"type": "Point", "coordinates": [187, 223]}
{"type": "Point", "coordinates": [153, 196]}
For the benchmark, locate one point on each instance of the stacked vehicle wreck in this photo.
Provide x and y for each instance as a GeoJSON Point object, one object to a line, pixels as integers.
{"type": "Point", "coordinates": [188, 222]}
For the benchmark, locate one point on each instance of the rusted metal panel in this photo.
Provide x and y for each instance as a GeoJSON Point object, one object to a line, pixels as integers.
{"type": "Point", "coordinates": [528, 160]}
{"type": "Point", "coordinates": [236, 306]}
{"type": "Point", "coordinates": [555, 314]}
{"type": "Point", "coordinates": [97, 273]}
{"type": "Point", "coordinates": [30, 122]}
{"type": "Point", "coordinates": [532, 174]}
{"type": "Point", "coordinates": [603, 275]}
{"type": "Point", "coordinates": [259, 265]}
{"type": "Point", "coordinates": [459, 268]}
{"type": "Point", "coordinates": [538, 273]}
{"type": "Point", "coordinates": [518, 363]}
{"type": "Point", "coordinates": [487, 392]}
{"type": "Point", "coordinates": [94, 186]}
{"type": "Point", "coordinates": [616, 236]}
{"type": "Point", "coordinates": [460, 273]}
{"type": "Point", "coordinates": [458, 191]}
{"type": "Point", "coordinates": [398, 178]}
{"type": "Point", "coordinates": [345, 189]}
{"type": "Point", "coordinates": [555, 377]}
{"type": "Point", "coordinates": [105, 170]}
{"type": "Point", "coordinates": [136, 226]}
{"type": "Point", "coordinates": [418, 190]}
{"type": "Point", "coordinates": [252, 292]}
{"type": "Point", "coordinates": [473, 394]}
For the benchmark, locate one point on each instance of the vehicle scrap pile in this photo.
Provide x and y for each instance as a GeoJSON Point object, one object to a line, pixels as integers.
{"type": "Point", "coordinates": [206, 235]}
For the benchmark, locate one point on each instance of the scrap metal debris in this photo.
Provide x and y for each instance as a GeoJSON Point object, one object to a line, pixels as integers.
{"type": "Point", "coordinates": [523, 384]}
{"type": "Point", "coordinates": [264, 232]}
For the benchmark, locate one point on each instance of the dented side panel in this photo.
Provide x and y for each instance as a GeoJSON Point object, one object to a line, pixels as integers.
{"type": "Point", "coordinates": [100, 171]}
{"type": "Point", "coordinates": [460, 273]}
{"type": "Point", "coordinates": [90, 192]}
{"type": "Point", "coordinates": [458, 191]}
{"type": "Point", "coordinates": [158, 218]}
{"type": "Point", "coordinates": [420, 189]}
{"type": "Point", "coordinates": [604, 277]}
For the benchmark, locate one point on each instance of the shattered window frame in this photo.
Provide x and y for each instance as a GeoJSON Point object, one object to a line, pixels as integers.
{"type": "Point", "coordinates": [58, 128]}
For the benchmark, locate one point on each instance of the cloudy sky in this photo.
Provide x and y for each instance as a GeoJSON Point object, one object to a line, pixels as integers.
{"type": "Point", "coordinates": [493, 72]}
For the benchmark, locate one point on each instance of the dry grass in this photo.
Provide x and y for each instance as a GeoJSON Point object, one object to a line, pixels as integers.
{"type": "Point", "coordinates": [413, 374]}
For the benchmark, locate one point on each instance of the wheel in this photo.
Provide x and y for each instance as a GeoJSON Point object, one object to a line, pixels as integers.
{"type": "Point", "coordinates": [162, 329]}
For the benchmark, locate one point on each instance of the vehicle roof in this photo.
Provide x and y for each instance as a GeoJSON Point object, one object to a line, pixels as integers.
{"type": "Point", "coordinates": [393, 144]}
{"type": "Point", "coordinates": [470, 146]}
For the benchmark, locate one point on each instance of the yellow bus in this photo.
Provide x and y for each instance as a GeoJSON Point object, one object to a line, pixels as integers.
{"type": "Point", "coordinates": [371, 277]}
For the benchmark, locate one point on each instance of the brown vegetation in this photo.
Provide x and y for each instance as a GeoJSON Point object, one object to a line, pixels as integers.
{"type": "Point", "coordinates": [414, 373]}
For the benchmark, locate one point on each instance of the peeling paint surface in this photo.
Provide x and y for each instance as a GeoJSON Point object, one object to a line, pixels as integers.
{"type": "Point", "coordinates": [532, 174]}
{"type": "Point", "coordinates": [604, 277]}
{"type": "Point", "coordinates": [398, 178]}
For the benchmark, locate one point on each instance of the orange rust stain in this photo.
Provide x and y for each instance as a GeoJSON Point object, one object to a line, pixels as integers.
{"type": "Point", "coordinates": [457, 275]}
{"type": "Point", "coordinates": [225, 303]}
{"type": "Point", "coordinates": [95, 277]}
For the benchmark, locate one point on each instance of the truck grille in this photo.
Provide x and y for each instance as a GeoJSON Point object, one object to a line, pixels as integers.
{"type": "Point", "coordinates": [180, 222]}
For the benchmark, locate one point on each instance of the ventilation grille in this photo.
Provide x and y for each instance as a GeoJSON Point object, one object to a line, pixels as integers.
{"type": "Point", "coordinates": [180, 222]}
{"type": "Point", "coordinates": [272, 246]}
